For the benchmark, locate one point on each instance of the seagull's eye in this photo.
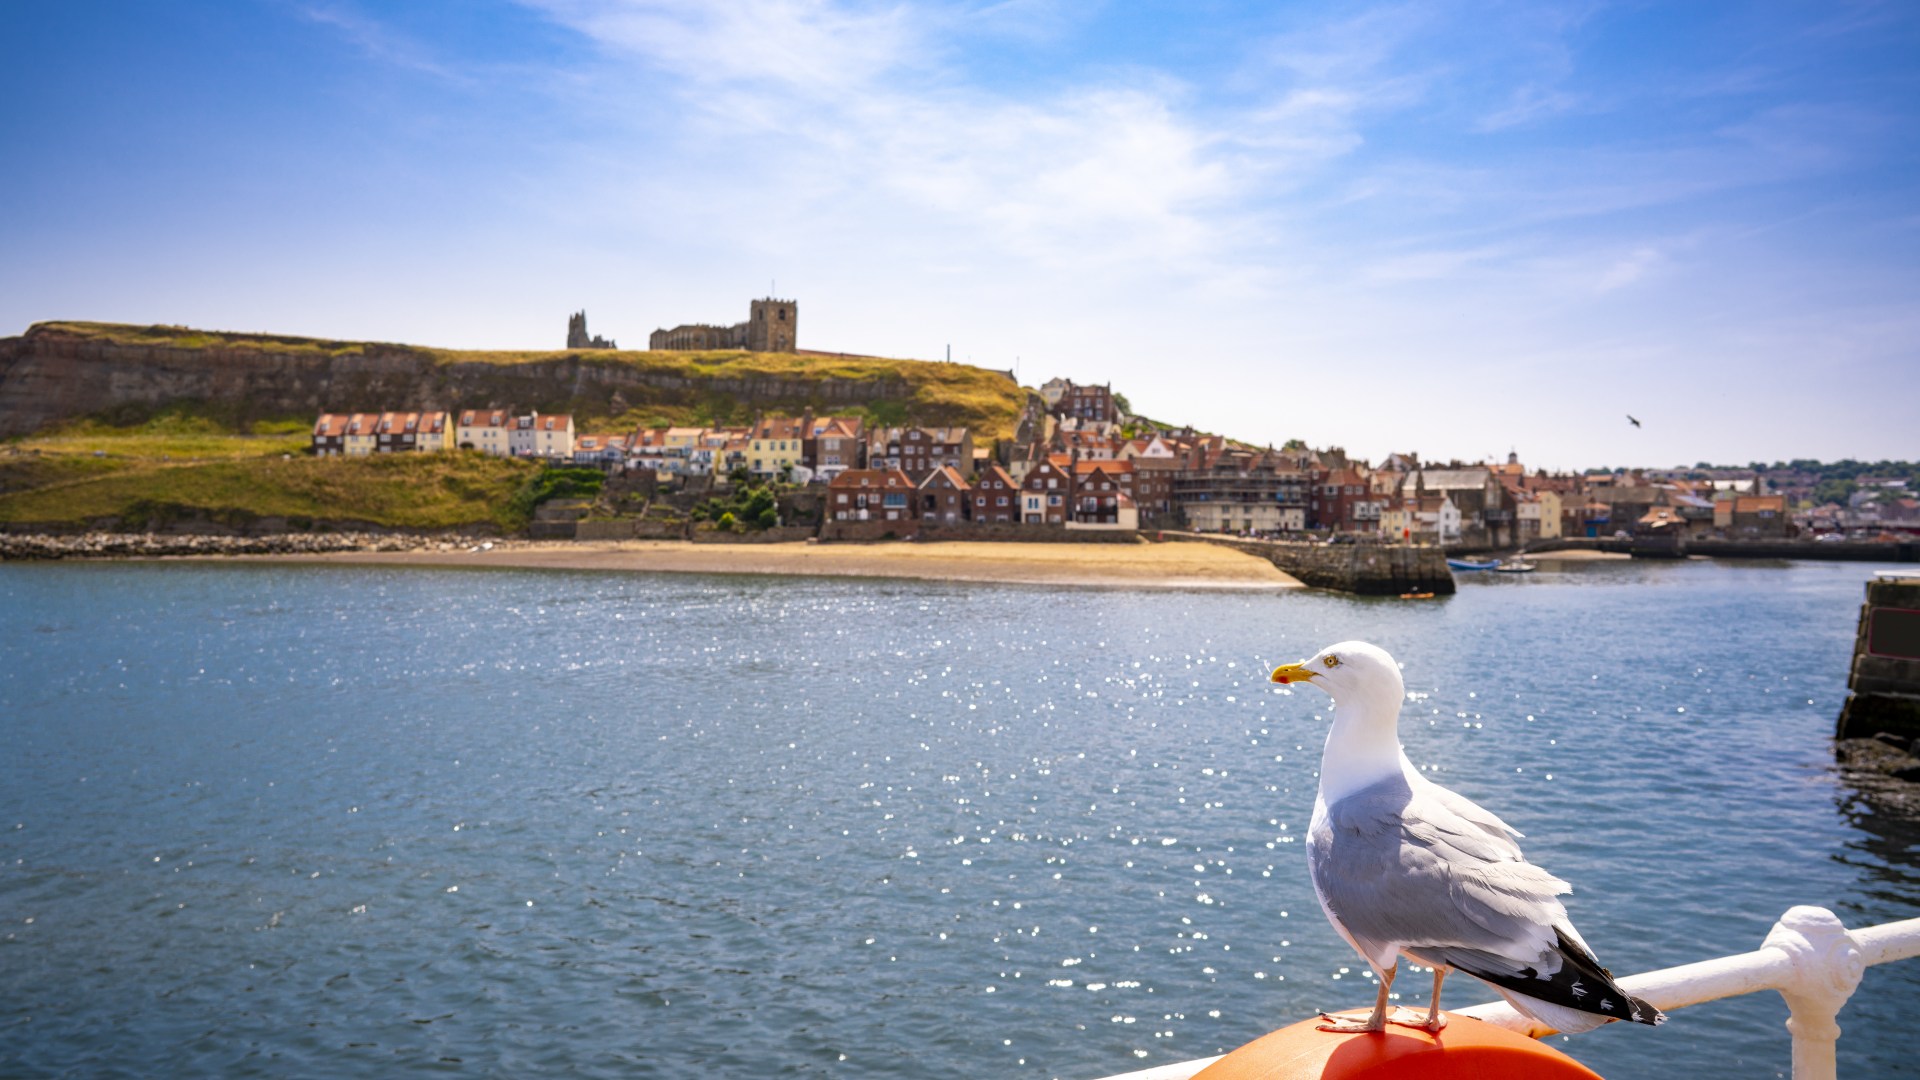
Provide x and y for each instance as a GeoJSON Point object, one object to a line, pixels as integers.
{"type": "Point", "coordinates": [1331, 661]}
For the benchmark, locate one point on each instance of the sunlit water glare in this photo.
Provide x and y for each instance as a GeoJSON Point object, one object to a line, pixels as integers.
{"type": "Point", "coordinates": [261, 820]}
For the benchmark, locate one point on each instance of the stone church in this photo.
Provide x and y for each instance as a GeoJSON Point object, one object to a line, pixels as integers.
{"type": "Point", "coordinates": [771, 326]}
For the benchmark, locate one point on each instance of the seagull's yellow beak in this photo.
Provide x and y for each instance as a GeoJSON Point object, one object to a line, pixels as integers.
{"type": "Point", "coordinates": [1291, 673]}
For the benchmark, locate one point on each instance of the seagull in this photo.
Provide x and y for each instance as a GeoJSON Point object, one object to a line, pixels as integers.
{"type": "Point", "coordinates": [1404, 867]}
{"type": "Point", "coordinates": [1632, 421]}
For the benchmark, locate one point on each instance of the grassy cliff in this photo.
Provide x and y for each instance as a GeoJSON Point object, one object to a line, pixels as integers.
{"type": "Point", "coordinates": [246, 377]}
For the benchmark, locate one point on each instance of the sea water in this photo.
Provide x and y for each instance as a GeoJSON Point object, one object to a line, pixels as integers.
{"type": "Point", "coordinates": [262, 820]}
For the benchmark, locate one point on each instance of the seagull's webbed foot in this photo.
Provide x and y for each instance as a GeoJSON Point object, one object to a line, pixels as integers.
{"type": "Point", "coordinates": [1433, 1020]}
{"type": "Point", "coordinates": [1432, 1023]}
{"type": "Point", "coordinates": [1349, 1024]}
{"type": "Point", "coordinates": [1375, 1021]}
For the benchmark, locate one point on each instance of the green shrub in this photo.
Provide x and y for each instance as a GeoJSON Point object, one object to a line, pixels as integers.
{"type": "Point", "coordinates": [564, 482]}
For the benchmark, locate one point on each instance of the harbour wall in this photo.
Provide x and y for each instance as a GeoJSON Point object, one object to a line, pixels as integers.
{"type": "Point", "coordinates": [1903, 551]}
{"type": "Point", "coordinates": [1366, 569]}
{"type": "Point", "coordinates": [1885, 673]}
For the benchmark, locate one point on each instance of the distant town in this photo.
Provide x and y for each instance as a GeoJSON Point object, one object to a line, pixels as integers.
{"type": "Point", "coordinates": [1081, 461]}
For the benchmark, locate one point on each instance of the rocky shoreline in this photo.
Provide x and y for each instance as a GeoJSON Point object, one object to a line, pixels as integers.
{"type": "Point", "coordinates": [101, 545]}
{"type": "Point", "coordinates": [1884, 768]}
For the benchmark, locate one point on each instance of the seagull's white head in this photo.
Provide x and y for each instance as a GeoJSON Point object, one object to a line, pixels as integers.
{"type": "Point", "coordinates": [1354, 672]}
{"type": "Point", "coordinates": [1363, 745]}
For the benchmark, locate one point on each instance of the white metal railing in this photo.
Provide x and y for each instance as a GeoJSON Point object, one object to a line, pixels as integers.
{"type": "Point", "coordinates": [1809, 957]}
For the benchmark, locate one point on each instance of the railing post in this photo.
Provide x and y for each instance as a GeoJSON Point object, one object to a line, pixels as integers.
{"type": "Point", "coordinates": [1826, 965]}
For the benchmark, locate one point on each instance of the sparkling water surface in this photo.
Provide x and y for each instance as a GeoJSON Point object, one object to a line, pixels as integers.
{"type": "Point", "coordinates": [325, 821]}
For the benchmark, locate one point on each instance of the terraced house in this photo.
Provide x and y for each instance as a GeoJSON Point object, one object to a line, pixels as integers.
{"type": "Point", "coordinates": [918, 451]}
{"type": "Point", "coordinates": [538, 436]}
{"type": "Point", "coordinates": [1044, 492]}
{"type": "Point", "coordinates": [361, 434]}
{"type": "Point", "coordinates": [486, 430]}
{"type": "Point", "coordinates": [1101, 494]}
{"type": "Point", "coordinates": [398, 432]}
{"type": "Point", "coordinates": [871, 495]}
{"type": "Point", "coordinates": [602, 450]}
{"type": "Point", "coordinates": [996, 496]}
{"type": "Point", "coordinates": [330, 435]}
{"type": "Point", "coordinates": [946, 497]}
{"type": "Point", "coordinates": [833, 445]}
{"type": "Point", "coordinates": [776, 446]}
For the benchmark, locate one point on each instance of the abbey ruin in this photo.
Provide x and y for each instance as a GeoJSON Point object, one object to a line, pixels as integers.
{"type": "Point", "coordinates": [577, 334]}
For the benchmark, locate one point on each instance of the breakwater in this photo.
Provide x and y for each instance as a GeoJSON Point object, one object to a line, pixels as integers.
{"type": "Point", "coordinates": [1885, 672]}
{"type": "Point", "coordinates": [1366, 569]}
{"type": "Point", "coordinates": [1680, 547]}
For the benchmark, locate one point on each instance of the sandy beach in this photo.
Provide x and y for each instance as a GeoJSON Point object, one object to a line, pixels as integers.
{"type": "Point", "coordinates": [1133, 566]}
{"type": "Point", "coordinates": [1576, 555]}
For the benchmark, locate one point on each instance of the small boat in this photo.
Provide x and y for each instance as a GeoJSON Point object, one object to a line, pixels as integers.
{"type": "Point", "coordinates": [1515, 566]}
{"type": "Point", "coordinates": [1416, 596]}
{"type": "Point", "coordinates": [1470, 564]}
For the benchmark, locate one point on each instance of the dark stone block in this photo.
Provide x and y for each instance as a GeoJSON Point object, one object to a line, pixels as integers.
{"type": "Point", "coordinates": [1868, 715]}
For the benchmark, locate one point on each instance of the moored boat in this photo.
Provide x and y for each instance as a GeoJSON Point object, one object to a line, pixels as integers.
{"type": "Point", "coordinates": [1472, 564]}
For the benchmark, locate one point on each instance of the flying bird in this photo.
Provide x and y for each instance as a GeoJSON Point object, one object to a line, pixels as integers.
{"type": "Point", "coordinates": [1405, 867]}
{"type": "Point", "coordinates": [1632, 421]}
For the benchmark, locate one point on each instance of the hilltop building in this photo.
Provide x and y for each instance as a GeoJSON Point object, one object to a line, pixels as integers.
{"type": "Point", "coordinates": [1087, 404]}
{"type": "Point", "coordinates": [577, 334]}
{"type": "Point", "coordinates": [771, 326]}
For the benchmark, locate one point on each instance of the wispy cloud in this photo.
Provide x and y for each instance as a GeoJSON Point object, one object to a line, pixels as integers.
{"type": "Point", "coordinates": [1528, 104]}
{"type": "Point", "coordinates": [864, 102]}
{"type": "Point", "coordinates": [811, 47]}
{"type": "Point", "coordinates": [380, 41]}
{"type": "Point", "coordinates": [1630, 268]}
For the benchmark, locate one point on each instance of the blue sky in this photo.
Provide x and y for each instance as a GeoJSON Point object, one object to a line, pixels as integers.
{"type": "Point", "coordinates": [1454, 228]}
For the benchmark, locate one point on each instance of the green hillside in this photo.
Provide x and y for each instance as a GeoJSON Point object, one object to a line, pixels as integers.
{"type": "Point", "coordinates": [403, 491]}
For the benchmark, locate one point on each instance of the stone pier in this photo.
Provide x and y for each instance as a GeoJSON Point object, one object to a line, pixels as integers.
{"type": "Point", "coordinates": [1366, 569]}
{"type": "Point", "coordinates": [1885, 675]}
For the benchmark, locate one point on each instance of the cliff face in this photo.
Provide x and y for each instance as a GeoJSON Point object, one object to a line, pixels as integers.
{"type": "Point", "coordinates": [56, 372]}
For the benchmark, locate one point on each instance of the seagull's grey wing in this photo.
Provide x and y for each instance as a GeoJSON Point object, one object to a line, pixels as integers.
{"type": "Point", "coordinates": [1421, 869]}
{"type": "Point", "coordinates": [1401, 868]}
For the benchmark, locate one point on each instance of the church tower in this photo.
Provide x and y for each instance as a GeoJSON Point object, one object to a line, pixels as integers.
{"type": "Point", "coordinates": [773, 326]}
